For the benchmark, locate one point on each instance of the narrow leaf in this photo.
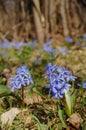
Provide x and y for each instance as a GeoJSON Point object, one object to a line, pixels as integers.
{"type": "Point", "coordinates": [68, 105]}
{"type": "Point", "coordinates": [61, 116]}
{"type": "Point", "coordinates": [4, 91]}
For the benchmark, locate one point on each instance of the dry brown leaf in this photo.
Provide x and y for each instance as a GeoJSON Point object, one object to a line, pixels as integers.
{"type": "Point", "coordinates": [34, 98]}
{"type": "Point", "coordinates": [25, 117]}
{"type": "Point", "coordinates": [75, 120]}
{"type": "Point", "coordinates": [9, 116]}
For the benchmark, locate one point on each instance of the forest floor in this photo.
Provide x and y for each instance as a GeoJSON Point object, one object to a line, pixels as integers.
{"type": "Point", "coordinates": [40, 111]}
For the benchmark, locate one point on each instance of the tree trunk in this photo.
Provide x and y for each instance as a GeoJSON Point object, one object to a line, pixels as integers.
{"type": "Point", "coordinates": [68, 14]}
{"type": "Point", "coordinates": [64, 18]}
{"type": "Point", "coordinates": [37, 20]}
{"type": "Point", "coordinates": [46, 13]}
{"type": "Point", "coordinates": [52, 16]}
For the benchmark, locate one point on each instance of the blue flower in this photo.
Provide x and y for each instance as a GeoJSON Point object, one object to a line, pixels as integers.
{"type": "Point", "coordinates": [48, 48]}
{"type": "Point", "coordinates": [17, 44]}
{"type": "Point", "coordinates": [84, 85]}
{"type": "Point", "coordinates": [16, 82]}
{"type": "Point", "coordinates": [58, 89]}
{"type": "Point", "coordinates": [51, 68]}
{"type": "Point", "coordinates": [37, 61]}
{"type": "Point", "coordinates": [69, 39]}
{"type": "Point", "coordinates": [32, 44]}
{"type": "Point", "coordinates": [22, 69]}
{"type": "Point", "coordinates": [84, 37]}
{"type": "Point", "coordinates": [58, 80]}
{"type": "Point", "coordinates": [6, 44]}
{"type": "Point", "coordinates": [63, 51]}
{"type": "Point", "coordinates": [22, 78]}
{"type": "Point", "coordinates": [4, 54]}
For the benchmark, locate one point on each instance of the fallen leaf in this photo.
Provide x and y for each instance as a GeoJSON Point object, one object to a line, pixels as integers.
{"type": "Point", "coordinates": [34, 98]}
{"type": "Point", "coordinates": [9, 116]}
{"type": "Point", "coordinates": [75, 120]}
{"type": "Point", "coordinates": [6, 72]}
{"type": "Point", "coordinates": [25, 117]}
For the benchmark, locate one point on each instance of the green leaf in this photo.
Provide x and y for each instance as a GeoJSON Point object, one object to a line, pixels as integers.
{"type": "Point", "coordinates": [68, 105]}
{"type": "Point", "coordinates": [40, 126]}
{"type": "Point", "coordinates": [73, 98]}
{"type": "Point", "coordinates": [61, 116]}
{"type": "Point", "coordinates": [60, 126]}
{"type": "Point", "coordinates": [4, 91]}
{"type": "Point", "coordinates": [38, 92]}
{"type": "Point", "coordinates": [16, 95]}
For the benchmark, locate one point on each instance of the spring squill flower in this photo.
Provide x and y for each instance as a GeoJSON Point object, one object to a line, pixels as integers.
{"type": "Point", "coordinates": [58, 80]}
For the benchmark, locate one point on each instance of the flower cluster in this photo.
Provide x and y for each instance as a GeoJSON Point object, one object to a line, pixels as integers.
{"type": "Point", "coordinates": [59, 80]}
{"type": "Point", "coordinates": [48, 48]}
{"type": "Point", "coordinates": [64, 51]}
{"type": "Point", "coordinates": [22, 78]}
{"type": "Point", "coordinates": [6, 44]}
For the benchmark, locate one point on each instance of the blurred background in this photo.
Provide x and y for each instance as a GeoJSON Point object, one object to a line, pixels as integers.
{"type": "Point", "coordinates": [25, 20]}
